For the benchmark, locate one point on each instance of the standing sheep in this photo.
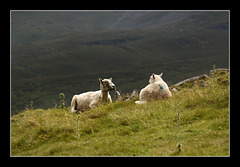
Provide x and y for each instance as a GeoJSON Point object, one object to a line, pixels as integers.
{"type": "Point", "coordinates": [155, 90]}
{"type": "Point", "coordinates": [91, 99]}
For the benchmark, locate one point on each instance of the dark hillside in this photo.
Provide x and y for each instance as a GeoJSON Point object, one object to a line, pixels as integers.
{"type": "Point", "coordinates": [43, 24]}
{"type": "Point", "coordinates": [30, 26]}
{"type": "Point", "coordinates": [180, 46]}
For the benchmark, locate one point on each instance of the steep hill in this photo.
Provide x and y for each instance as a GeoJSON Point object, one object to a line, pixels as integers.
{"type": "Point", "coordinates": [129, 47]}
{"type": "Point", "coordinates": [193, 122]}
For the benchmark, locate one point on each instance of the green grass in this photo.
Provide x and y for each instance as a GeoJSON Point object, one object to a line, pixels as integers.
{"type": "Point", "coordinates": [127, 129]}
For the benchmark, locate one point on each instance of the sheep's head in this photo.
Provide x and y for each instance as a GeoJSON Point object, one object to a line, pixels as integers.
{"type": "Point", "coordinates": [155, 77]}
{"type": "Point", "coordinates": [106, 84]}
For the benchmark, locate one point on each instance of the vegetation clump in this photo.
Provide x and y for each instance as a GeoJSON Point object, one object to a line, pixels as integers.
{"type": "Point", "coordinates": [62, 100]}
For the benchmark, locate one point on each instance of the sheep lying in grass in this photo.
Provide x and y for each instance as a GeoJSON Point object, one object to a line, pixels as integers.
{"type": "Point", "coordinates": [155, 90]}
{"type": "Point", "coordinates": [91, 99]}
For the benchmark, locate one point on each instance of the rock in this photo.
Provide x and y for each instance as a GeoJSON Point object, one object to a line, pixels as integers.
{"type": "Point", "coordinates": [174, 90]}
{"type": "Point", "coordinates": [191, 79]}
{"type": "Point", "coordinates": [213, 72]}
{"type": "Point", "coordinates": [134, 94]}
{"type": "Point", "coordinates": [118, 96]}
{"type": "Point", "coordinates": [202, 84]}
{"type": "Point", "coordinates": [194, 83]}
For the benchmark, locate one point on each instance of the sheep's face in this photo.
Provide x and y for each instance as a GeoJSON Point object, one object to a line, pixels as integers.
{"type": "Point", "coordinates": [155, 77]}
{"type": "Point", "coordinates": [106, 84]}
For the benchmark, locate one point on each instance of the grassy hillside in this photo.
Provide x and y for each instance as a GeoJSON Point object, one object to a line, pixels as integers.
{"type": "Point", "coordinates": [127, 129]}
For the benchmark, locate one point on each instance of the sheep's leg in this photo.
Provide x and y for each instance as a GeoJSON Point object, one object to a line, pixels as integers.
{"type": "Point", "coordinates": [140, 102]}
{"type": "Point", "coordinates": [74, 106]}
{"type": "Point", "coordinates": [92, 104]}
{"type": "Point", "coordinates": [73, 109]}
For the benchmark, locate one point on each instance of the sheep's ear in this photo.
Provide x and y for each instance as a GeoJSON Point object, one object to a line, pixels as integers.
{"type": "Point", "coordinates": [160, 75]}
{"type": "Point", "coordinates": [100, 79]}
{"type": "Point", "coordinates": [110, 79]}
{"type": "Point", "coordinates": [153, 75]}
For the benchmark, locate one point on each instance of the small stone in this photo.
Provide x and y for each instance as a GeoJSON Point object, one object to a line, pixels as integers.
{"type": "Point", "coordinates": [174, 90]}
{"type": "Point", "coordinates": [134, 94]}
{"type": "Point", "coordinates": [202, 84]}
{"type": "Point", "coordinates": [118, 96]}
{"type": "Point", "coordinates": [194, 83]}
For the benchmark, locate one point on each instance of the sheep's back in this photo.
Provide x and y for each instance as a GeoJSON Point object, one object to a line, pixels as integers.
{"type": "Point", "coordinates": [155, 91]}
{"type": "Point", "coordinates": [85, 99]}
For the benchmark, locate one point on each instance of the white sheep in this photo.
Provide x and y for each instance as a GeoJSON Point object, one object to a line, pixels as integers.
{"type": "Point", "coordinates": [155, 90]}
{"type": "Point", "coordinates": [91, 99]}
